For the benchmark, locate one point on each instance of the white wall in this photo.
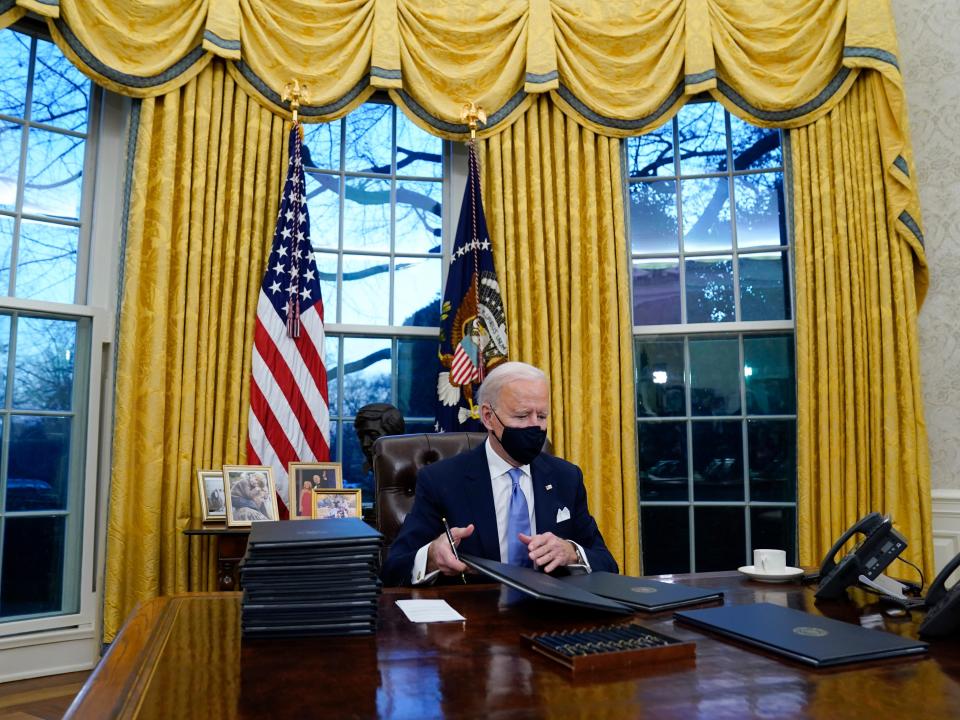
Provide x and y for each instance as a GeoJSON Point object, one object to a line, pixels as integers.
{"type": "Point", "coordinates": [930, 64]}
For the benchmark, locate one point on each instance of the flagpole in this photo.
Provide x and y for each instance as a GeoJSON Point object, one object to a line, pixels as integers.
{"type": "Point", "coordinates": [474, 115]}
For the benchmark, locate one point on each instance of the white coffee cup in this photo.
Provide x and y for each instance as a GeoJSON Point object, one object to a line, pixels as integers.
{"type": "Point", "coordinates": [770, 562]}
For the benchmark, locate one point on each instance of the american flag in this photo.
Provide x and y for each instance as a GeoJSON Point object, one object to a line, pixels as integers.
{"type": "Point", "coordinates": [289, 417]}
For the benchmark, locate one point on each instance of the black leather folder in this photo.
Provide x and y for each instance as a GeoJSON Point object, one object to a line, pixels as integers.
{"type": "Point", "coordinates": [640, 593]}
{"type": "Point", "coordinates": [542, 586]}
{"type": "Point", "coordinates": [810, 639]}
{"type": "Point", "coordinates": [335, 531]}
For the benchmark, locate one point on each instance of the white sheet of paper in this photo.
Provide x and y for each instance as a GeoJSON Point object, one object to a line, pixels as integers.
{"type": "Point", "coordinates": [422, 611]}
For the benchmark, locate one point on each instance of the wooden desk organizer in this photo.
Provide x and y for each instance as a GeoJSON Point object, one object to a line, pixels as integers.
{"type": "Point", "coordinates": [610, 647]}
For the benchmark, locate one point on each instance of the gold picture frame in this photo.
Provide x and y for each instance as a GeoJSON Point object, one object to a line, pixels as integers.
{"type": "Point", "coordinates": [251, 494]}
{"type": "Point", "coordinates": [319, 476]}
{"type": "Point", "coordinates": [213, 502]}
{"type": "Point", "coordinates": [341, 503]}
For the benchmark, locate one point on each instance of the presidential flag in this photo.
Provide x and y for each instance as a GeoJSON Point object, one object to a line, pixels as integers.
{"type": "Point", "coordinates": [289, 417]}
{"type": "Point", "coordinates": [473, 333]}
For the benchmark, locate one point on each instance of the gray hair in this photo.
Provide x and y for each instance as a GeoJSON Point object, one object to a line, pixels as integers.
{"type": "Point", "coordinates": [504, 374]}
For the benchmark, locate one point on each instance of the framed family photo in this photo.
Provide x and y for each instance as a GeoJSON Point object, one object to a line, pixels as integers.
{"type": "Point", "coordinates": [304, 479]}
{"type": "Point", "coordinates": [251, 494]}
{"type": "Point", "coordinates": [336, 504]}
{"type": "Point", "coordinates": [213, 503]}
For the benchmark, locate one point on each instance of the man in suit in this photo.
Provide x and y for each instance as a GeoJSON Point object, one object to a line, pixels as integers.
{"type": "Point", "coordinates": [504, 500]}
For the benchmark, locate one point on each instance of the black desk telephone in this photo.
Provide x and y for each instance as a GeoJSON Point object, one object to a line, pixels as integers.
{"type": "Point", "coordinates": [880, 546]}
{"type": "Point", "coordinates": [943, 618]}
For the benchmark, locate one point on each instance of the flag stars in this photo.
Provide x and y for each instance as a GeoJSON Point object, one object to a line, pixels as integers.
{"type": "Point", "coordinates": [289, 215]}
{"type": "Point", "coordinates": [275, 288]}
{"type": "Point", "coordinates": [278, 268]}
{"type": "Point", "coordinates": [282, 250]}
{"type": "Point", "coordinates": [305, 293]}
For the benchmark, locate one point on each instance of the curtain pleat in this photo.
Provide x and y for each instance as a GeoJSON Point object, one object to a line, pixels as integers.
{"type": "Point", "coordinates": [205, 189]}
{"type": "Point", "coordinates": [862, 442]}
{"type": "Point", "coordinates": [554, 202]}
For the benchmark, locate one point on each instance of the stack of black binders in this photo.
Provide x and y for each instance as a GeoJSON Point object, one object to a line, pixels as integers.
{"type": "Point", "coordinates": [311, 577]}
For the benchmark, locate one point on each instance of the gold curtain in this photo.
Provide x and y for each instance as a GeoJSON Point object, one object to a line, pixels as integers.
{"type": "Point", "coordinates": [861, 435]}
{"type": "Point", "coordinates": [554, 202]}
{"type": "Point", "coordinates": [205, 188]}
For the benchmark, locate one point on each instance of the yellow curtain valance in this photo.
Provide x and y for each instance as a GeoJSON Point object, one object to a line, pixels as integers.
{"type": "Point", "coordinates": [618, 67]}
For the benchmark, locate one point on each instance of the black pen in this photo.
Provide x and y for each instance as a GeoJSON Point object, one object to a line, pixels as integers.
{"type": "Point", "coordinates": [446, 529]}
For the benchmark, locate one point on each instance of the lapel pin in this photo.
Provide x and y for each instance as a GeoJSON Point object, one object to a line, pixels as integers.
{"type": "Point", "coordinates": [549, 487]}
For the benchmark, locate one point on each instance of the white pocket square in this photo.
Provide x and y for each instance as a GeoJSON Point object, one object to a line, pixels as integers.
{"type": "Point", "coordinates": [563, 514]}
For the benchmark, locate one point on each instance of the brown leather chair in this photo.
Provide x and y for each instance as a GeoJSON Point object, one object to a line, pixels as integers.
{"type": "Point", "coordinates": [396, 461]}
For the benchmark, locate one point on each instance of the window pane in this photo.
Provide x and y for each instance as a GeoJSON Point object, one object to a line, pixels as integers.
{"type": "Point", "coordinates": [6, 251]}
{"type": "Point", "coordinates": [418, 152]}
{"type": "Point", "coordinates": [652, 154]}
{"type": "Point", "coordinates": [47, 261]}
{"type": "Point", "coordinates": [721, 538]}
{"type": "Point", "coordinates": [709, 286]}
{"type": "Point", "coordinates": [331, 351]}
{"type": "Point", "coordinates": [417, 292]}
{"type": "Point", "coordinates": [61, 93]}
{"type": "Point", "coordinates": [369, 138]}
{"type": "Point", "coordinates": [718, 460]}
{"type": "Point", "coordinates": [366, 376]}
{"type": "Point", "coordinates": [703, 138]}
{"type": "Point", "coordinates": [33, 566]}
{"type": "Point", "coordinates": [366, 216]}
{"type": "Point", "coordinates": [656, 292]}
{"type": "Point", "coordinates": [764, 287]}
{"type": "Point", "coordinates": [769, 373]}
{"type": "Point", "coordinates": [327, 273]}
{"type": "Point", "coordinates": [420, 427]}
{"type": "Point", "coordinates": [366, 290]}
{"type": "Point", "coordinates": [321, 146]}
{"type": "Point", "coordinates": [772, 452]}
{"type": "Point", "coordinates": [760, 217]}
{"type": "Point", "coordinates": [714, 376]}
{"type": "Point", "coordinates": [4, 355]}
{"type": "Point", "coordinates": [665, 533]}
{"type": "Point", "coordinates": [418, 215]}
{"type": "Point", "coordinates": [663, 460]}
{"type": "Point", "coordinates": [323, 198]}
{"type": "Point", "coordinates": [653, 217]}
{"type": "Point", "coordinates": [774, 527]}
{"type": "Point", "coordinates": [660, 377]}
{"type": "Point", "coordinates": [43, 375]}
{"type": "Point", "coordinates": [14, 66]}
{"type": "Point", "coordinates": [706, 214]}
{"type": "Point", "coordinates": [11, 138]}
{"type": "Point", "coordinates": [54, 174]}
{"type": "Point", "coordinates": [754, 147]}
{"type": "Point", "coordinates": [416, 383]}
{"type": "Point", "coordinates": [39, 462]}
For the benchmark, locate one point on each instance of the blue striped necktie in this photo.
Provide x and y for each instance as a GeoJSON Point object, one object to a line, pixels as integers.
{"type": "Point", "coordinates": [518, 522]}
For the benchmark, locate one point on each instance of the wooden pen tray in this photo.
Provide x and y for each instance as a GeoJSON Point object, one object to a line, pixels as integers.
{"type": "Point", "coordinates": [611, 646]}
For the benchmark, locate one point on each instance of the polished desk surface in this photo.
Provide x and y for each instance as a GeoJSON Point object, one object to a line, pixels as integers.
{"type": "Point", "coordinates": [183, 657]}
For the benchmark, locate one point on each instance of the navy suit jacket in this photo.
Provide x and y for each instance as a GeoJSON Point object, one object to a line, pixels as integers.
{"type": "Point", "coordinates": [459, 488]}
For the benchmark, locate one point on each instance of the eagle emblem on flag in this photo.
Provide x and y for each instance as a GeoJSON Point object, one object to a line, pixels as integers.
{"type": "Point", "coordinates": [473, 332]}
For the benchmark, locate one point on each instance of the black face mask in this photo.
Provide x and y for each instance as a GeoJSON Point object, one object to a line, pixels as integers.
{"type": "Point", "coordinates": [523, 444]}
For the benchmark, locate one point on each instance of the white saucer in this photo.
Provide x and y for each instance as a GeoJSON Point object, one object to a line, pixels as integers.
{"type": "Point", "coordinates": [789, 573]}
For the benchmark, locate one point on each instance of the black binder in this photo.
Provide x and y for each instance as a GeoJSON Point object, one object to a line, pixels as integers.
{"type": "Point", "coordinates": [542, 586]}
{"type": "Point", "coordinates": [810, 639]}
{"type": "Point", "coordinates": [640, 593]}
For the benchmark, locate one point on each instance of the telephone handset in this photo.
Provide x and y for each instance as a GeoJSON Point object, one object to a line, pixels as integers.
{"type": "Point", "coordinates": [943, 618]}
{"type": "Point", "coordinates": [880, 546]}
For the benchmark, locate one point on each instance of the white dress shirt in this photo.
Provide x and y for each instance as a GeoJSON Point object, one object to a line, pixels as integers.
{"type": "Point", "coordinates": [502, 486]}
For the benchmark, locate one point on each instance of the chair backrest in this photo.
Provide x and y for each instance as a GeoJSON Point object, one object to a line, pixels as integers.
{"type": "Point", "coordinates": [396, 461]}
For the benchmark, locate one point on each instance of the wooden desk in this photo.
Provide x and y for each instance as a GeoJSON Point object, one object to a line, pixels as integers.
{"type": "Point", "coordinates": [182, 657]}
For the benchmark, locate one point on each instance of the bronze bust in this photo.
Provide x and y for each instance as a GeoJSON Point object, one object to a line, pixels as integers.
{"type": "Point", "coordinates": [373, 421]}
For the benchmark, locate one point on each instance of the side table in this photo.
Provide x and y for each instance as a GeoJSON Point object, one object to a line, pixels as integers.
{"type": "Point", "coordinates": [231, 546]}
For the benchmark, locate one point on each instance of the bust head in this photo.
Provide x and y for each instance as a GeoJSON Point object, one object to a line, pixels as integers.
{"type": "Point", "coordinates": [373, 421]}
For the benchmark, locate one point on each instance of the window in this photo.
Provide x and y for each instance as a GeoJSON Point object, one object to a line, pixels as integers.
{"type": "Point", "coordinates": [48, 117]}
{"type": "Point", "coordinates": [714, 342]}
{"type": "Point", "coordinates": [375, 188]}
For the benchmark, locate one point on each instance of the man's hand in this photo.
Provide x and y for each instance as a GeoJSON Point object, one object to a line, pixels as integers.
{"type": "Point", "coordinates": [440, 556]}
{"type": "Point", "coordinates": [549, 551]}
